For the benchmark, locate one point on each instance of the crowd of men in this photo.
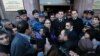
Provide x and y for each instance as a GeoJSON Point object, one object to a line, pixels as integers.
{"type": "Point", "coordinates": [60, 34]}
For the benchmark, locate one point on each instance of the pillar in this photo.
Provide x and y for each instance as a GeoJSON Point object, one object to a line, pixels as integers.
{"type": "Point", "coordinates": [82, 5]}
{"type": "Point", "coordinates": [2, 12]}
{"type": "Point", "coordinates": [31, 5]}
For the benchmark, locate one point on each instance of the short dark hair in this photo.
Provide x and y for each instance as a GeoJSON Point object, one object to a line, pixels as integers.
{"type": "Point", "coordinates": [35, 11]}
{"type": "Point", "coordinates": [91, 12]}
{"type": "Point", "coordinates": [22, 26]}
{"type": "Point", "coordinates": [21, 12]}
{"type": "Point", "coordinates": [85, 12]}
{"type": "Point", "coordinates": [74, 10]}
{"type": "Point", "coordinates": [93, 33]}
{"type": "Point", "coordinates": [60, 11]}
{"type": "Point", "coordinates": [97, 17]}
{"type": "Point", "coordinates": [70, 23]}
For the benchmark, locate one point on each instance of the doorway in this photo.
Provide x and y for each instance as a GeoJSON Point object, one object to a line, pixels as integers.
{"type": "Point", "coordinates": [55, 8]}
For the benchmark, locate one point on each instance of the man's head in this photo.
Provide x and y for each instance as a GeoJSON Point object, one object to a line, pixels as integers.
{"type": "Point", "coordinates": [90, 14]}
{"type": "Point", "coordinates": [7, 24]}
{"type": "Point", "coordinates": [85, 13]}
{"type": "Point", "coordinates": [60, 14]}
{"type": "Point", "coordinates": [41, 17]}
{"type": "Point", "coordinates": [69, 25]}
{"type": "Point", "coordinates": [95, 20]}
{"type": "Point", "coordinates": [52, 17]}
{"type": "Point", "coordinates": [74, 14]}
{"type": "Point", "coordinates": [64, 35]}
{"type": "Point", "coordinates": [4, 38]}
{"type": "Point", "coordinates": [35, 13]}
{"type": "Point", "coordinates": [23, 14]}
{"type": "Point", "coordinates": [91, 34]}
{"type": "Point", "coordinates": [24, 28]}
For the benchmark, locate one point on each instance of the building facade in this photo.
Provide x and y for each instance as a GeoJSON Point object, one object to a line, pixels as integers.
{"type": "Point", "coordinates": [30, 5]}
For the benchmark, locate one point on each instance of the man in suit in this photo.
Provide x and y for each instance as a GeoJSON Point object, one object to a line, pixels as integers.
{"type": "Point", "coordinates": [77, 22]}
{"type": "Point", "coordinates": [59, 23]}
{"type": "Point", "coordinates": [21, 45]}
{"type": "Point", "coordinates": [23, 15]}
{"type": "Point", "coordinates": [72, 33]}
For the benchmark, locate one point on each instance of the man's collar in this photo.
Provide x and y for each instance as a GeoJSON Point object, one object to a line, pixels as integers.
{"type": "Point", "coordinates": [74, 18]}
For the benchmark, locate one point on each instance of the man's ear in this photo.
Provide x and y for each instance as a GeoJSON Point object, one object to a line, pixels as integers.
{"type": "Point", "coordinates": [26, 30]}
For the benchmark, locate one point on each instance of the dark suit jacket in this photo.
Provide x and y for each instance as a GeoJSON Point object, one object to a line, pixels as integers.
{"type": "Point", "coordinates": [58, 26]}
{"type": "Point", "coordinates": [78, 25]}
{"type": "Point", "coordinates": [20, 46]}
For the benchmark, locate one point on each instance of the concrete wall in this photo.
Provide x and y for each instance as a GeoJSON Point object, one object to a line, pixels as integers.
{"type": "Point", "coordinates": [7, 14]}
{"type": "Point", "coordinates": [29, 5]}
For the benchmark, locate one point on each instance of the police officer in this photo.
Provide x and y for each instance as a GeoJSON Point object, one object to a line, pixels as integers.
{"type": "Point", "coordinates": [23, 15]}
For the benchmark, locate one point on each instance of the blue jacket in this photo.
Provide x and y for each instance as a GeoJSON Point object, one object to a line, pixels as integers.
{"type": "Point", "coordinates": [36, 25]}
{"type": "Point", "coordinates": [21, 46]}
{"type": "Point", "coordinates": [87, 21]}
